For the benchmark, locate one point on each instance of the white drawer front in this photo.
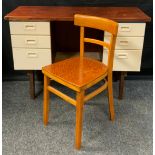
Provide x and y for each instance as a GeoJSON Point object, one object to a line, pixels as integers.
{"type": "Point", "coordinates": [127, 42]}
{"type": "Point", "coordinates": [29, 41]}
{"type": "Point", "coordinates": [35, 28]}
{"type": "Point", "coordinates": [125, 60]}
{"type": "Point", "coordinates": [130, 29]}
{"type": "Point", "coordinates": [31, 59]}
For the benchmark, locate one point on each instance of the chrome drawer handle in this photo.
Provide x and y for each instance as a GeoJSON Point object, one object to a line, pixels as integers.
{"type": "Point", "coordinates": [125, 29]}
{"type": "Point", "coordinates": [30, 27]}
{"type": "Point", "coordinates": [122, 55]}
{"type": "Point", "coordinates": [32, 55]}
{"type": "Point", "coordinates": [30, 41]}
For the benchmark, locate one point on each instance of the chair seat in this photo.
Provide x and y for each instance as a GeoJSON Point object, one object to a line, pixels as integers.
{"type": "Point", "coordinates": [76, 71]}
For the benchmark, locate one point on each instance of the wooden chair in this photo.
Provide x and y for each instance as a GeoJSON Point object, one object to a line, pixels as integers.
{"type": "Point", "coordinates": [80, 73]}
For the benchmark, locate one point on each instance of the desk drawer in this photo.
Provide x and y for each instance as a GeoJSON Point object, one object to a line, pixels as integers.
{"type": "Point", "coordinates": [31, 59]}
{"type": "Point", "coordinates": [29, 41]}
{"type": "Point", "coordinates": [130, 29]}
{"type": "Point", "coordinates": [127, 42]}
{"type": "Point", "coordinates": [35, 28]}
{"type": "Point", "coordinates": [125, 60]}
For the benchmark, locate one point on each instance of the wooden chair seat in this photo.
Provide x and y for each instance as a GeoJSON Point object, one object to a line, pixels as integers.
{"type": "Point", "coordinates": [76, 71]}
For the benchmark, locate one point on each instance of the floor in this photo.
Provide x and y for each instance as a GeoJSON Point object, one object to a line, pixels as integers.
{"type": "Point", "coordinates": [130, 133]}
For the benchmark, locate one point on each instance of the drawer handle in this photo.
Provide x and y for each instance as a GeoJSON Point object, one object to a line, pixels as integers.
{"type": "Point", "coordinates": [122, 55]}
{"type": "Point", "coordinates": [30, 41]}
{"type": "Point", "coordinates": [123, 43]}
{"type": "Point", "coordinates": [125, 29]}
{"type": "Point", "coordinates": [32, 55]}
{"type": "Point", "coordinates": [30, 27]}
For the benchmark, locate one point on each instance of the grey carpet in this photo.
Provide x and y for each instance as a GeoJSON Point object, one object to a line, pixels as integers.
{"type": "Point", "coordinates": [25, 134]}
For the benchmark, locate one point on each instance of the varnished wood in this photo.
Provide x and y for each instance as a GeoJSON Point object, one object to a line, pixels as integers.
{"type": "Point", "coordinates": [110, 87]}
{"type": "Point", "coordinates": [111, 54]}
{"type": "Point", "coordinates": [66, 13]}
{"type": "Point", "coordinates": [69, 70]}
{"type": "Point", "coordinates": [121, 85]}
{"type": "Point", "coordinates": [46, 100]}
{"type": "Point", "coordinates": [63, 96]}
{"type": "Point", "coordinates": [81, 42]}
{"type": "Point", "coordinates": [95, 81]}
{"type": "Point", "coordinates": [110, 98]}
{"type": "Point", "coordinates": [80, 73]}
{"type": "Point", "coordinates": [96, 92]}
{"type": "Point", "coordinates": [79, 118]}
{"type": "Point", "coordinates": [98, 42]}
{"type": "Point", "coordinates": [31, 84]}
{"type": "Point", "coordinates": [99, 23]}
{"type": "Point", "coordinates": [53, 77]}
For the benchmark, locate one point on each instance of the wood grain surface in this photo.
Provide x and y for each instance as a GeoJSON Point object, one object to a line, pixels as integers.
{"type": "Point", "coordinates": [62, 13]}
{"type": "Point", "coordinates": [76, 71]}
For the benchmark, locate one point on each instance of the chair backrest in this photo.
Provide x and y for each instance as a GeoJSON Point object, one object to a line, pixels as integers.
{"type": "Point", "coordinates": [101, 24]}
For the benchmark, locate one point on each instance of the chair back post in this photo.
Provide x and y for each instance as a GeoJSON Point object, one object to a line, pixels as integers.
{"type": "Point", "coordinates": [81, 42]}
{"type": "Point", "coordinates": [111, 53]}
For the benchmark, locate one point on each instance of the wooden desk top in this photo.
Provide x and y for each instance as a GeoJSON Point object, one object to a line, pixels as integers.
{"type": "Point", "coordinates": [61, 13]}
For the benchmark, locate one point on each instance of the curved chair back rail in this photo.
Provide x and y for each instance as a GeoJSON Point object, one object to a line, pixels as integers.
{"type": "Point", "coordinates": [103, 24]}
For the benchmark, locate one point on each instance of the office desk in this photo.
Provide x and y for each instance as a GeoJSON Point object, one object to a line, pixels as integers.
{"type": "Point", "coordinates": [31, 36]}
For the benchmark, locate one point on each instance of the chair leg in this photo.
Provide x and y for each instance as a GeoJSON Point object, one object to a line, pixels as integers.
{"type": "Point", "coordinates": [79, 119]}
{"type": "Point", "coordinates": [46, 100]}
{"type": "Point", "coordinates": [110, 97]}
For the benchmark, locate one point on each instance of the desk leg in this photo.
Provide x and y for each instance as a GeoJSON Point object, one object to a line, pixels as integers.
{"type": "Point", "coordinates": [31, 84]}
{"type": "Point", "coordinates": [121, 85]}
